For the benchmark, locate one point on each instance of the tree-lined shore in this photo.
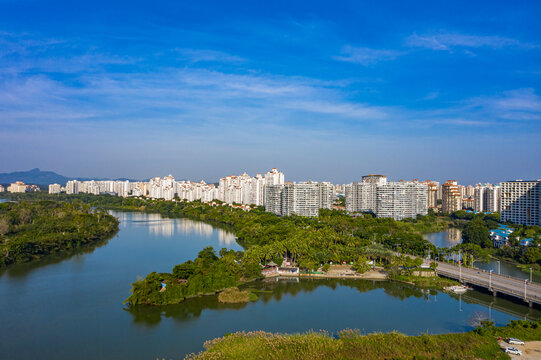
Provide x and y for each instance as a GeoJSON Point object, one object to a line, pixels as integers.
{"type": "Point", "coordinates": [31, 230]}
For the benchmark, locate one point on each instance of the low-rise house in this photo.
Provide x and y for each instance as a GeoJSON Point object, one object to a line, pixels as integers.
{"type": "Point", "coordinates": [526, 242]}
{"type": "Point", "coordinates": [500, 236]}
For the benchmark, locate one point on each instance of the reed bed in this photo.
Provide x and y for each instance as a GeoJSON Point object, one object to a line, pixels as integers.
{"type": "Point", "coordinates": [350, 344]}
{"type": "Point", "coordinates": [234, 295]}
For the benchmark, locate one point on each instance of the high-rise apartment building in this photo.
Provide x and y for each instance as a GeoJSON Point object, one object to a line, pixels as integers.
{"type": "Point", "coordinates": [398, 200]}
{"type": "Point", "coordinates": [451, 197]}
{"type": "Point", "coordinates": [274, 177]}
{"type": "Point", "coordinates": [325, 195]}
{"type": "Point", "coordinates": [303, 199]}
{"type": "Point", "coordinates": [487, 198]}
{"type": "Point", "coordinates": [54, 189]}
{"type": "Point", "coordinates": [361, 197]}
{"type": "Point", "coordinates": [433, 187]}
{"type": "Point", "coordinates": [521, 202]}
{"type": "Point", "coordinates": [72, 187]}
{"type": "Point", "coordinates": [468, 203]}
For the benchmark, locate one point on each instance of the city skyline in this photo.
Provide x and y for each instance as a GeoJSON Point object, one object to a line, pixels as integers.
{"type": "Point", "coordinates": [322, 93]}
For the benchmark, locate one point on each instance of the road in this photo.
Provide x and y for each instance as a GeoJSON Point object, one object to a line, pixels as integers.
{"type": "Point", "coordinates": [529, 292]}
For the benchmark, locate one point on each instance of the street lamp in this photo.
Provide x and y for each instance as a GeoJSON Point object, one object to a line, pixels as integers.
{"type": "Point", "coordinates": [525, 282]}
{"type": "Point", "coordinates": [490, 280]}
{"type": "Point", "coordinates": [498, 266]}
{"type": "Point", "coordinates": [460, 265]}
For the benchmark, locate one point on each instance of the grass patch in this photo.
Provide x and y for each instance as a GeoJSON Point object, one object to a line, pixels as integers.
{"type": "Point", "coordinates": [234, 295]}
{"type": "Point", "coordinates": [427, 282]}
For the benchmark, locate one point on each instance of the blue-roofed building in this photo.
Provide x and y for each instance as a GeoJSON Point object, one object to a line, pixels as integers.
{"type": "Point", "coordinates": [500, 236]}
{"type": "Point", "coordinates": [526, 242]}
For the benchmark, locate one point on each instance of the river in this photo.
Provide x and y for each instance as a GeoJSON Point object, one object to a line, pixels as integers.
{"type": "Point", "coordinates": [70, 306]}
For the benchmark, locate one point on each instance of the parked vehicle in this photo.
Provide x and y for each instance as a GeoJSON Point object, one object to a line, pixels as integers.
{"type": "Point", "coordinates": [515, 341]}
{"type": "Point", "coordinates": [513, 351]}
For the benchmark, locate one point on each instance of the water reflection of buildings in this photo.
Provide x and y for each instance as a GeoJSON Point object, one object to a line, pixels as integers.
{"type": "Point", "coordinates": [225, 238]}
{"type": "Point", "coordinates": [159, 226]}
{"type": "Point", "coordinates": [455, 235]}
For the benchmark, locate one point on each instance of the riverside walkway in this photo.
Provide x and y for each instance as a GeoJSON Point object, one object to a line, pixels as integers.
{"type": "Point", "coordinates": [522, 289]}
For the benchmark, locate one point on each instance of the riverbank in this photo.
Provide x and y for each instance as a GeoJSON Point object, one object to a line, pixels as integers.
{"type": "Point", "coordinates": [482, 343]}
{"type": "Point", "coordinates": [369, 275]}
{"type": "Point", "coordinates": [30, 231]}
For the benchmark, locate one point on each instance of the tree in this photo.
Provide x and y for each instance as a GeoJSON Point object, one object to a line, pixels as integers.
{"type": "Point", "coordinates": [4, 226]}
{"type": "Point", "coordinates": [326, 267]}
{"type": "Point", "coordinates": [308, 264]}
{"type": "Point", "coordinates": [184, 270]}
{"type": "Point", "coordinates": [361, 265]}
{"type": "Point", "coordinates": [475, 232]}
{"type": "Point", "coordinates": [531, 255]}
{"type": "Point", "coordinates": [207, 256]}
{"type": "Point", "coordinates": [472, 251]}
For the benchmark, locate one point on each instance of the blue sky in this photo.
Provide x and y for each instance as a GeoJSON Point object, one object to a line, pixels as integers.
{"type": "Point", "coordinates": [321, 90]}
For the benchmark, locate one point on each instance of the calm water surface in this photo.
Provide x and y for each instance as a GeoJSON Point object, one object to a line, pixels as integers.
{"type": "Point", "coordinates": [71, 307]}
{"type": "Point", "coordinates": [445, 239]}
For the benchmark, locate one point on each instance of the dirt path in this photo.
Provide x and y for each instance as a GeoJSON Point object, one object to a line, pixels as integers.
{"type": "Point", "coordinates": [530, 351]}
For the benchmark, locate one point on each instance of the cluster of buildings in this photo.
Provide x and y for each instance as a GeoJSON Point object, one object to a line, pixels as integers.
{"type": "Point", "coordinates": [517, 201]}
{"type": "Point", "coordinates": [397, 200]}
{"type": "Point", "coordinates": [19, 187]}
{"type": "Point", "coordinates": [232, 189]}
{"type": "Point", "coordinates": [500, 237]}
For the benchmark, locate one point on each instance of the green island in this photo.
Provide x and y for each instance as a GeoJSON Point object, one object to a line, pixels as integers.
{"type": "Point", "coordinates": [29, 231]}
{"type": "Point", "coordinates": [481, 343]}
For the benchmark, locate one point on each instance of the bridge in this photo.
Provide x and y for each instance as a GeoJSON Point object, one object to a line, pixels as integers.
{"type": "Point", "coordinates": [498, 284]}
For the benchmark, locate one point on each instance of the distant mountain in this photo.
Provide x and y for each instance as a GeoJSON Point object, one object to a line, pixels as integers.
{"type": "Point", "coordinates": [38, 177]}
{"type": "Point", "coordinates": [34, 176]}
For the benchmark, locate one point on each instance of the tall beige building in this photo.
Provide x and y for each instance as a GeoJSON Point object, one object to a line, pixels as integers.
{"type": "Point", "coordinates": [451, 197]}
{"type": "Point", "coordinates": [18, 187]}
{"type": "Point", "coordinates": [432, 193]}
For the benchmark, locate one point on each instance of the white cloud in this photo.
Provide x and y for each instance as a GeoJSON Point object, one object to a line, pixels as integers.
{"type": "Point", "coordinates": [366, 56]}
{"type": "Point", "coordinates": [449, 41]}
{"type": "Point", "coordinates": [205, 55]}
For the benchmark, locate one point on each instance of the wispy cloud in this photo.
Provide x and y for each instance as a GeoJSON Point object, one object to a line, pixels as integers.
{"type": "Point", "coordinates": [449, 41]}
{"type": "Point", "coordinates": [206, 55]}
{"type": "Point", "coordinates": [366, 56]}
{"type": "Point", "coordinates": [431, 96]}
{"type": "Point", "coordinates": [517, 105]}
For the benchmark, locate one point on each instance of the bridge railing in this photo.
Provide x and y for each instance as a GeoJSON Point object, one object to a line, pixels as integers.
{"type": "Point", "coordinates": [538, 285]}
{"type": "Point", "coordinates": [481, 282]}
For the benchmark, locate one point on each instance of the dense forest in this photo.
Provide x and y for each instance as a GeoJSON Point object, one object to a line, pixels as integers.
{"type": "Point", "coordinates": [29, 231]}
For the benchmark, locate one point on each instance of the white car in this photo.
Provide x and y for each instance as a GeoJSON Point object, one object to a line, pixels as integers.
{"type": "Point", "coordinates": [515, 341]}
{"type": "Point", "coordinates": [513, 351]}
